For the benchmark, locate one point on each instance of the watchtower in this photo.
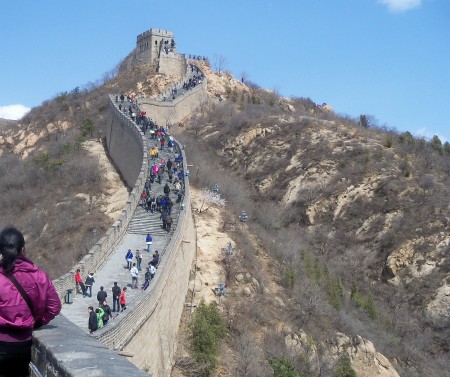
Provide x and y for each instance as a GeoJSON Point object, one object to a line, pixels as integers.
{"type": "Point", "coordinates": [151, 43]}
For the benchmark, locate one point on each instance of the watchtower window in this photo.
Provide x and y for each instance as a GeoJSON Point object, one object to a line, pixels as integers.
{"type": "Point", "coordinates": [156, 43]}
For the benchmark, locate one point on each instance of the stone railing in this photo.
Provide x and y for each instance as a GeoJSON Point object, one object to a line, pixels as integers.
{"type": "Point", "coordinates": [62, 349]}
{"type": "Point", "coordinates": [136, 174]}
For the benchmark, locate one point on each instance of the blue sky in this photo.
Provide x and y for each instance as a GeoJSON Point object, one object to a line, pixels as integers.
{"type": "Point", "coordinates": [387, 58]}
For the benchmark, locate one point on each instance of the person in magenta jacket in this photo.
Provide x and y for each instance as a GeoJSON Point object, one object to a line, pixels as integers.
{"type": "Point", "coordinates": [17, 320]}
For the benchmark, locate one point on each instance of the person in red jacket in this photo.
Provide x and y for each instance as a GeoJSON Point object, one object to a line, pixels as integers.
{"type": "Point", "coordinates": [20, 312]}
{"type": "Point", "coordinates": [79, 282]}
{"type": "Point", "coordinates": [123, 299]}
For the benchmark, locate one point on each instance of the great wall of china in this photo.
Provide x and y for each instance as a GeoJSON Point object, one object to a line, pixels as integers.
{"type": "Point", "coordinates": [147, 333]}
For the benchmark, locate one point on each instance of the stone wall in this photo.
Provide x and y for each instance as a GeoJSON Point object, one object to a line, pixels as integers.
{"type": "Point", "coordinates": [62, 349]}
{"type": "Point", "coordinates": [172, 64]}
{"type": "Point", "coordinates": [172, 112]}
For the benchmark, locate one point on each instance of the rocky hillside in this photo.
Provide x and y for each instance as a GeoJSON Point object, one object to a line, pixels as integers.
{"type": "Point", "coordinates": [354, 219]}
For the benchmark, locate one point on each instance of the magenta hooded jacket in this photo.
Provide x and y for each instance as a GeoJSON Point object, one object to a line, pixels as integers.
{"type": "Point", "coordinates": [16, 320]}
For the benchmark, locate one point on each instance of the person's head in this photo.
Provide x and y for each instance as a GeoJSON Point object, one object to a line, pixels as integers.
{"type": "Point", "coordinates": [105, 303]}
{"type": "Point", "coordinates": [101, 288]}
{"type": "Point", "coordinates": [12, 245]}
{"type": "Point", "coordinates": [97, 310]}
{"type": "Point", "coordinates": [134, 264]}
{"type": "Point", "coordinates": [115, 283]}
{"type": "Point", "coordinates": [78, 270]}
{"type": "Point", "coordinates": [124, 289]}
{"type": "Point", "coordinates": [90, 309]}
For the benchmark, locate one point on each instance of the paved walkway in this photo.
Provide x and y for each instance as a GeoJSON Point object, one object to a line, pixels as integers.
{"type": "Point", "coordinates": [115, 268]}
{"type": "Point", "coordinates": [192, 72]}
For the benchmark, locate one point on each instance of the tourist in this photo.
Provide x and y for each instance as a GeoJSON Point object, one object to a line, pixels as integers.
{"type": "Point", "coordinates": [79, 282]}
{"type": "Point", "coordinates": [169, 222]}
{"type": "Point", "coordinates": [123, 299]}
{"type": "Point", "coordinates": [28, 300]}
{"type": "Point", "coordinates": [107, 312]}
{"type": "Point", "coordinates": [89, 282]}
{"type": "Point", "coordinates": [129, 259]}
{"type": "Point", "coordinates": [101, 296]}
{"type": "Point", "coordinates": [155, 261]}
{"type": "Point", "coordinates": [138, 259]}
{"type": "Point", "coordinates": [92, 322]}
{"type": "Point", "coordinates": [134, 272]}
{"type": "Point", "coordinates": [116, 296]}
{"type": "Point", "coordinates": [99, 314]}
{"type": "Point", "coordinates": [148, 239]}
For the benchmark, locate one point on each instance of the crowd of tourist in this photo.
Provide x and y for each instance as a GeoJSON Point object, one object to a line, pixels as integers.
{"type": "Point", "coordinates": [160, 170]}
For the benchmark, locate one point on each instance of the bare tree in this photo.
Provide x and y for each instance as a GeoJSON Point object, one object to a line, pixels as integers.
{"type": "Point", "coordinates": [220, 62]}
{"type": "Point", "coordinates": [251, 361]}
{"type": "Point", "coordinates": [209, 198]}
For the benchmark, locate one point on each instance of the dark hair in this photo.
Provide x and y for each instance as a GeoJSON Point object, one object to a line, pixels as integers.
{"type": "Point", "coordinates": [11, 245]}
{"type": "Point", "coordinates": [90, 308]}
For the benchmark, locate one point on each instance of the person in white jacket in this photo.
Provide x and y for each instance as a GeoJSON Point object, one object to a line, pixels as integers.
{"type": "Point", "coordinates": [134, 276]}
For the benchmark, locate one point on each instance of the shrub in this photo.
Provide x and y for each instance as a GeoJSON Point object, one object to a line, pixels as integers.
{"type": "Point", "coordinates": [436, 144]}
{"type": "Point", "coordinates": [363, 121]}
{"type": "Point", "coordinates": [206, 329]}
{"type": "Point", "coordinates": [283, 368]}
{"type": "Point", "coordinates": [406, 137]}
{"type": "Point", "coordinates": [330, 283]}
{"type": "Point", "coordinates": [344, 368]}
{"type": "Point", "coordinates": [389, 142]}
{"type": "Point", "coordinates": [364, 302]}
{"type": "Point", "coordinates": [87, 129]}
{"type": "Point", "coordinates": [447, 147]}
{"type": "Point", "coordinates": [289, 277]}
{"type": "Point", "coordinates": [335, 291]}
{"type": "Point", "coordinates": [405, 167]}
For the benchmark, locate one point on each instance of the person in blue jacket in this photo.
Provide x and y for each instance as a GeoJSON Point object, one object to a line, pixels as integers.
{"type": "Point", "coordinates": [129, 259]}
{"type": "Point", "coordinates": [148, 241]}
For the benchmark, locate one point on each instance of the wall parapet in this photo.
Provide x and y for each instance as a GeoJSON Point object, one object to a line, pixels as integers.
{"type": "Point", "coordinates": [78, 355]}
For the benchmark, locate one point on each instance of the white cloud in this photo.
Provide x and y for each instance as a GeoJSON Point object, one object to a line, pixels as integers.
{"type": "Point", "coordinates": [13, 111]}
{"type": "Point", "coordinates": [401, 5]}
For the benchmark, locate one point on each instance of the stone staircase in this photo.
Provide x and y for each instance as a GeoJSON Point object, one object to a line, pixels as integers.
{"type": "Point", "coordinates": [144, 222]}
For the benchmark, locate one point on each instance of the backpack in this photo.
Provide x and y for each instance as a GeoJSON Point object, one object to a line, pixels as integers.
{"type": "Point", "coordinates": [148, 275]}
